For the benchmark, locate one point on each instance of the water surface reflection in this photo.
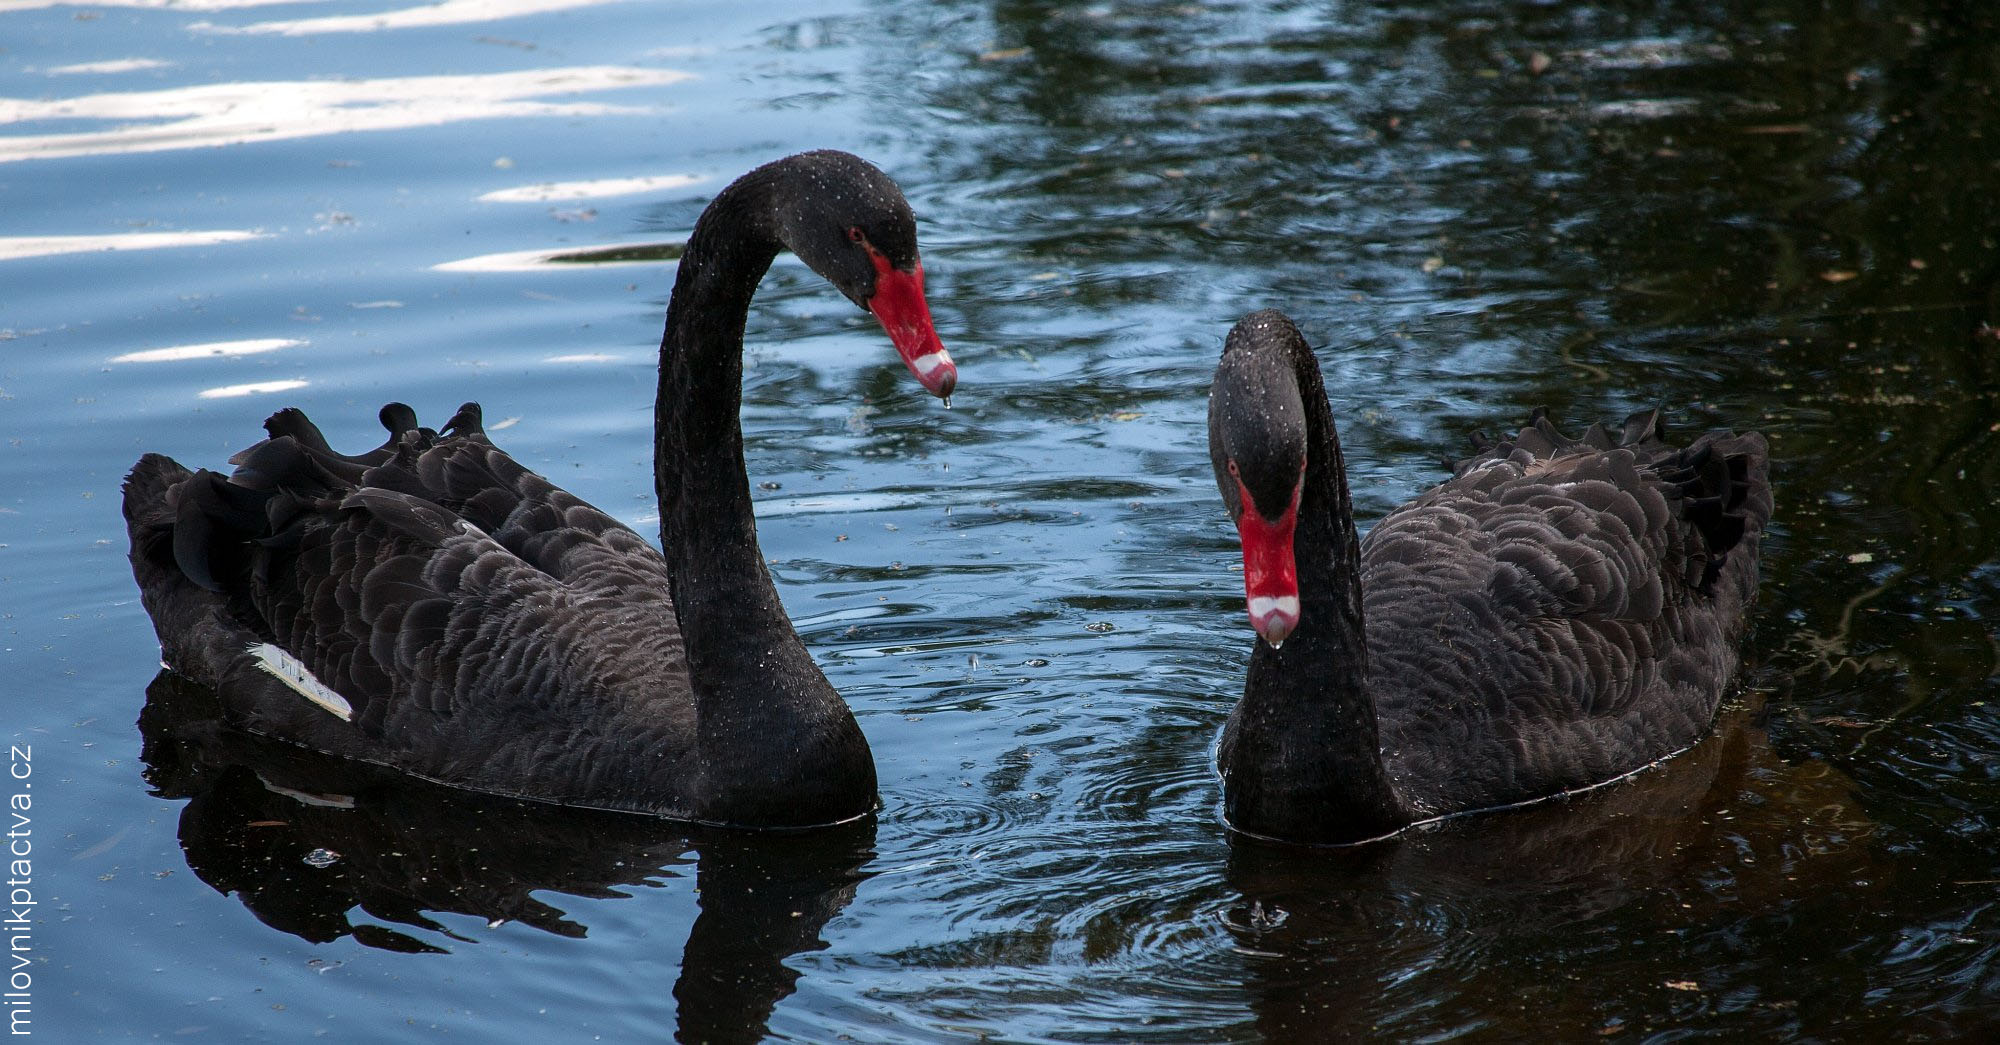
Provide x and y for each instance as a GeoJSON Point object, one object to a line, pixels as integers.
{"type": "Point", "coordinates": [1781, 215]}
{"type": "Point", "coordinates": [310, 843]}
{"type": "Point", "coordinates": [276, 110]}
{"type": "Point", "coordinates": [448, 12]}
{"type": "Point", "coordinates": [1481, 925]}
{"type": "Point", "coordinates": [16, 247]}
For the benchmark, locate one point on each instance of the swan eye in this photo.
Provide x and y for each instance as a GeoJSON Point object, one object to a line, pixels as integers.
{"type": "Point", "coordinates": [1233, 470]}
{"type": "Point", "coordinates": [854, 233]}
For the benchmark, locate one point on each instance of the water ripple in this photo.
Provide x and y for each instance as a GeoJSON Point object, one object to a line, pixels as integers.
{"type": "Point", "coordinates": [273, 110]}
{"type": "Point", "coordinates": [449, 12]}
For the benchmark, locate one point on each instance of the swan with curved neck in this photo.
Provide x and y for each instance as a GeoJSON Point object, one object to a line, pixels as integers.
{"type": "Point", "coordinates": [435, 607]}
{"type": "Point", "coordinates": [1559, 614]}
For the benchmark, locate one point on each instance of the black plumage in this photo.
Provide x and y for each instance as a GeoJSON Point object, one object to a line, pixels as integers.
{"type": "Point", "coordinates": [464, 620]}
{"type": "Point", "coordinates": [1559, 613]}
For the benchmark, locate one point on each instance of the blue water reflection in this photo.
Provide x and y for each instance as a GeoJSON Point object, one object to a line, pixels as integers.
{"type": "Point", "coordinates": [213, 208]}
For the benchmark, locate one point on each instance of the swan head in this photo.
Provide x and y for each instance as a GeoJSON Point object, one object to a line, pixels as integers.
{"type": "Point", "coordinates": [1257, 444]}
{"type": "Point", "coordinates": [848, 222]}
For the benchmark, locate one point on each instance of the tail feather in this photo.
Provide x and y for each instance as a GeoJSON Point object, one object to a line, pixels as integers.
{"type": "Point", "coordinates": [147, 488]}
{"type": "Point", "coordinates": [398, 418]}
{"type": "Point", "coordinates": [1646, 426]}
{"type": "Point", "coordinates": [1717, 483]}
{"type": "Point", "coordinates": [200, 525]}
{"type": "Point", "coordinates": [470, 421]}
{"type": "Point", "coordinates": [292, 424]}
{"type": "Point", "coordinates": [212, 516]}
{"type": "Point", "coordinates": [1723, 493]}
{"type": "Point", "coordinates": [149, 510]}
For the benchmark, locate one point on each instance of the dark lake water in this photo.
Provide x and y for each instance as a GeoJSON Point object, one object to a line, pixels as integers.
{"type": "Point", "coordinates": [1782, 214]}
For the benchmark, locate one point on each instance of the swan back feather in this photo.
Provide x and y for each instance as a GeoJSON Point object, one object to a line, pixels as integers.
{"type": "Point", "coordinates": [482, 627]}
{"type": "Point", "coordinates": [1561, 611]}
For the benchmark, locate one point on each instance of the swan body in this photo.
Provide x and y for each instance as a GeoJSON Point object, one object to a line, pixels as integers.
{"type": "Point", "coordinates": [435, 607]}
{"type": "Point", "coordinates": [1556, 615]}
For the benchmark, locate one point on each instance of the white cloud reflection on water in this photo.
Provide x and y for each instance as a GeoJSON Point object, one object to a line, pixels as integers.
{"type": "Point", "coordinates": [252, 388]}
{"type": "Point", "coordinates": [589, 190]}
{"type": "Point", "coordinates": [117, 65]}
{"type": "Point", "coordinates": [579, 258]}
{"type": "Point", "coordinates": [450, 12]}
{"type": "Point", "coordinates": [155, 5]}
{"type": "Point", "coordinates": [237, 113]}
{"type": "Point", "coordinates": [12, 247]}
{"type": "Point", "coordinates": [208, 350]}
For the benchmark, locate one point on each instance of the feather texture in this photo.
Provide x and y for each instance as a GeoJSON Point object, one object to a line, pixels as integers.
{"type": "Point", "coordinates": [541, 659]}
{"type": "Point", "coordinates": [1559, 613]}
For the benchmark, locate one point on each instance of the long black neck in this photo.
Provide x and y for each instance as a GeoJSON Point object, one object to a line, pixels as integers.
{"type": "Point", "coordinates": [1302, 755]}
{"type": "Point", "coordinates": [780, 740]}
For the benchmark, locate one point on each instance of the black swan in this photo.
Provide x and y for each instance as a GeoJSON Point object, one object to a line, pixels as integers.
{"type": "Point", "coordinates": [435, 607]}
{"type": "Point", "coordinates": [1558, 614]}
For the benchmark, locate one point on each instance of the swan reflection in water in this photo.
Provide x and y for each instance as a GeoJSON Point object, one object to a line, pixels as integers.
{"type": "Point", "coordinates": [1447, 926]}
{"type": "Point", "coordinates": [304, 840]}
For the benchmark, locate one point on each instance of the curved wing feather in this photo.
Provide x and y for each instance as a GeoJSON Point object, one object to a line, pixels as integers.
{"type": "Point", "coordinates": [443, 583]}
{"type": "Point", "coordinates": [1559, 608]}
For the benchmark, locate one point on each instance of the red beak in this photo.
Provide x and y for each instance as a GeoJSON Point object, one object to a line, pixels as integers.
{"type": "Point", "coordinates": [900, 307]}
{"type": "Point", "coordinates": [1270, 575]}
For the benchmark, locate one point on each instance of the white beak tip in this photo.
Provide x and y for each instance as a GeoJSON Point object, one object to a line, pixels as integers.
{"type": "Point", "coordinates": [1274, 618]}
